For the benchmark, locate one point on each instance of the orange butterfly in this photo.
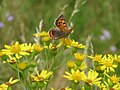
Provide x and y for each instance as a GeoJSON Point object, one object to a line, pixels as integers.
{"type": "Point", "coordinates": [61, 31]}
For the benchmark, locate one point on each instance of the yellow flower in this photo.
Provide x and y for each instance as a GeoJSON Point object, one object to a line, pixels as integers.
{"type": "Point", "coordinates": [11, 81]}
{"type": "Point", "coordinates": [44, 35]}
{"type": "Point", "coordinates": [1, 54]}
{"type": "Point", "coordinates": [97, 57]}
{"type": "Point", "coordinates": [37, 47]}
{"type": "Point", "coordinates": [12, 59]}
{"type": "Point", "coordinates": [82, 66]}
{"type": "Point", "coordinates": [117, 58]}
{"type": "Point", "coordinates": [67, 42]}
{"type": "Point", "coordinates": [15, 49]}
{"type": "Point", "coordinates": [107, 64]}
{"type": "Point", "coordinates": [22, 65]}
{"type": "Point", "coordinates": [43, 76]}
{"type": "Point", "coordinates": [77, 45]}
{"type": "Point", "coordinates": [93, 79]}
{"type": "Point", "coordinates": [79, 56]}
{"type": "Point", "coordinates": [75, 75]}
{"type": "Point", "coordinates": [103, 86]}
{"type": "Point", "coordinates": [5, 86]}
{"type": "Point", "coordinates": [45, 39]}
{"type": "Point", "coordinates": [113, 78]}
{"type": "Point", "coordinates": [107, 86]}
{"type": "Point", "coordinates": [71, 64]}
{"type": "Point", "coordinates": [71, 43]}
{"type": "Point", "coordinates": [27, 47]}
{"type": "Point", "coordinates": [41, 34]}
{"type": "Point", "coordinates": [52, 46]}
{"type": "Point", "coordinates": [115, 87]}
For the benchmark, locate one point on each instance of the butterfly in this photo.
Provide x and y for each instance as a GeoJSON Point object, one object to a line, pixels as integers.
{"type": "Point", "coordinates": [61, 30]}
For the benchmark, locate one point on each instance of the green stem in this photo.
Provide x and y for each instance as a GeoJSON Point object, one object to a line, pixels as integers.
{"type": "Point", "coordinates": [74, 85]}
{"type": "Point", "coordinates": [76, 8]}
{"type": "Point", "coordinates": [68, 58]}
{"type": "Point", "coordinates": [18, 72]}
{"type": "Point", "coordinates": [54, 59]}
{"type": "Point", "coordinates": [46, 57]}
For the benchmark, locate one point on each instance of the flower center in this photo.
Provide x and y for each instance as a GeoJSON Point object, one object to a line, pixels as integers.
{"type": "Point", "coordinates": [114, 79]}
{"type": "Point", "coordinates": [8, 83]}
{"type": "Point", "coordinates": [108, 64]}
{"type": "Point", "coordinates": [12, 61]}
{"type": "Point", "coordinates": [68, 42]}
{"type": "Point", "coordinates": [76, 76]}
{"type": "Point", "coordinates": [97, 58]}
{"type": "Point", "coordinates": [38, 47]}
{"type": "Point", "coordinates": [40, 78]}
{"type": "Point", "coordinates": [15, 48]}
{"type": "Point", "coordinates": [79, 56]}
{"type": "Point", "coordinates": [1, 54]}
{"type": "Point", "coordinates": [112, 89]}
{"type": "Point", "coordinates": [89, 81]}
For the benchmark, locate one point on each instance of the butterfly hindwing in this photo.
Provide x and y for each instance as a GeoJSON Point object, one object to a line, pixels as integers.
{"type": "Point", "coordinates": [61, 23]}
{"type": "Point", "coordinates": [56, 34]}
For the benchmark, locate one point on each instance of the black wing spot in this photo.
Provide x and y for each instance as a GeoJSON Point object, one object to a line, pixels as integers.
{"type": "Point", "coordinates": [63, 19]}
{"type": "Point", "coordinates": [64, 23]}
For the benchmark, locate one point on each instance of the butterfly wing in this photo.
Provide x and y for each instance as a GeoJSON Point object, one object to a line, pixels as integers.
{"type": "Point", "coordinates": [56, 34]}
{"type": "Point", "coordinates": [61, 23]}
{"type": "Point", "coordinates": [61, 30]}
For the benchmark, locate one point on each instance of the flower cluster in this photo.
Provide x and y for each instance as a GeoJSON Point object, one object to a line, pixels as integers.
{"type": "Point", "coordinates": [106, 63]}
{"type": "Point", "coordinates": [16, 51]}
{"type": "Point", "coordinates": [103, 76]}
{"type": "Point", "coordinates": [84, 71]}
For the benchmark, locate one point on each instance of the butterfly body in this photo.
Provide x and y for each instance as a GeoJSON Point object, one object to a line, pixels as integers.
{"type": "Point", "coordinates": [61, 31]}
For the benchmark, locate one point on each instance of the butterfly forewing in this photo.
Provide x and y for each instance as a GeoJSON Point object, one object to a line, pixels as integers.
{"type": "Point", "coordinates": [61, 23]}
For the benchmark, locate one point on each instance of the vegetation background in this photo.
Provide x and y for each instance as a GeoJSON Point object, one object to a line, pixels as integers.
{"type": "Point", "coordinates": [99, 18]}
